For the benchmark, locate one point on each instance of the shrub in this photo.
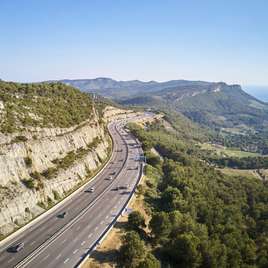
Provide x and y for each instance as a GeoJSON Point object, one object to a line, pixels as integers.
{"type": "Point", "coordinates": [136, 221]}
{"type": "Point", "coordinates": [19, 139]}
{"type": "Point", "coordinates": [28, 161]}
{"type": "Point", "coordinates": [27, 210]}
{"type": "Point", "coordinates": [36, 175]}
{"type": "Point", "coordinates": [29, 183]}
{"type": "Point", "coordinates": [49, 173]}
{"type": "Point", "coordinates": [56, 195]}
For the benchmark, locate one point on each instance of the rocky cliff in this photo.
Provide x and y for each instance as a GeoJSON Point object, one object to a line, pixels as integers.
{"type": "Point", "coordinates": [38, 170]}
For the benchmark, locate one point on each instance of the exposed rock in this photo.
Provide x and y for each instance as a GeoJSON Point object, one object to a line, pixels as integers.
{"type": "Point", "coordinates": [20, 204]}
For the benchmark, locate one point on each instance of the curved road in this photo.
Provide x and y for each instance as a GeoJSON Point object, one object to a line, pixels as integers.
{"type": "Point", "coordinates": [63, 242]}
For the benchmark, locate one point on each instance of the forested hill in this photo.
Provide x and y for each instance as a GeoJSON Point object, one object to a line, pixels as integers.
{"type": "Point", "coordinates": [41, 105]}
{"type": "Point", "coordinates": [199, 216]}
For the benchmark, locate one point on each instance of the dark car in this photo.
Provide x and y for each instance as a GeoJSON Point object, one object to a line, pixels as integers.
{"type": "Point", "coordinates": [62, 215]}
{"type": "Point", "coordinates": [17, 247]}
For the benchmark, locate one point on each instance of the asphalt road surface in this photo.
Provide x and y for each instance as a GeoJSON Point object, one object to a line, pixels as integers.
{"type": "Point", "coordinates": [63, 242]}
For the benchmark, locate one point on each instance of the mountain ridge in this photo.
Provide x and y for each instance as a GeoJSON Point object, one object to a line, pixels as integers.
{"type": "Point", "coordinates": [214, 104]}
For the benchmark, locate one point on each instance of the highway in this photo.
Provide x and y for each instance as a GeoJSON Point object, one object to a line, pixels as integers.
{"type": "Point", "coordinates": [64, 242]}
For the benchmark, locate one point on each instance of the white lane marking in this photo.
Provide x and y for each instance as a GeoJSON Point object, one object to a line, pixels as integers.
{"type": "Point", "coordinates": [89, 235]}
{"type": "Point", "coordinates": [10, 260]}
{"type": "Point", "coordinates": [83, 243]}
{"type": "Point", "coordinates": [106, 217]}
{"type": "Point", "coordinates": [45, 257]}
{"type": "Point", "coordinates": [33, 243]}
{"type": "Point", "coordinates": [66, 260]}
{"type": "Point", "coordinates": [58, 256]}
{"type": "Point", "coordinates": [102, 222]}
{"type": "Point", "coordinates": [75, 251]}
{"type": "Point", "coordinates": [96, 228]}
{"type": "Point", "coordinates": [63, 241]}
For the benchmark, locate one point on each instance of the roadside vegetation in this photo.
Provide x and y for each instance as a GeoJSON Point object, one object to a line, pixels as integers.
{"type": "Point", "coordinates": [200, 217]}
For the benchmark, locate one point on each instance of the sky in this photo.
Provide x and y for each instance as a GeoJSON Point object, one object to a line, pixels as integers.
{"type": "Point", "coordinates": [141, 39]}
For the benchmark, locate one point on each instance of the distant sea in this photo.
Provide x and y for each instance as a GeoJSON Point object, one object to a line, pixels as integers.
{"type": "Point", "coordinates": [259, 92]}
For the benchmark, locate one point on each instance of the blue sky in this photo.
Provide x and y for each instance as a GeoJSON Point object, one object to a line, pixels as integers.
{"type": "Point", "coordinates": [141, 39]}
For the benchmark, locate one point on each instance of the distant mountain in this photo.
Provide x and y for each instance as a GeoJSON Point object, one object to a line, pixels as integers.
{"type": "Point", "coordinates": [214, 104]}
{"type": "Point", "coordinates": [119, 90]}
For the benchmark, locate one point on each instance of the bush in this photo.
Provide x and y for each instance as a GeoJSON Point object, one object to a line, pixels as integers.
{"type": "Point", "coordinates": [56, 195]}
{"type": "Point", "coordinates": [136, 221]}
{"type": "Point", "coordinates": [19, 139]}
{"type": "Point", "coordinates": [36, 175]}
{"type": "Point", "coordinates": [132, 251]}
{"type": "Point", "coordinates": [29, 183]}
{"type": "Point", "coordinates": [28, 161]}
{"type": "Point", "coordinates": [49, 173]}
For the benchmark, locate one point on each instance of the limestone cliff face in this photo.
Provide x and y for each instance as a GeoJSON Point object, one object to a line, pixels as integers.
{"type": "Point", "coordinates": [111, 113]}
{"type": "Point", "coordinates": [26, 190]}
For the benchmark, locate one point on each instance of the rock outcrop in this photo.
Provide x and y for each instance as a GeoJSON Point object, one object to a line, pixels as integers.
{"type": "Point", "coordinates": [38, 167]}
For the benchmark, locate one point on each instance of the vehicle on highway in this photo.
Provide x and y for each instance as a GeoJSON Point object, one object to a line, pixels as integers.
{"type": "Point", "coordinates": [17, 247]}
{"type": "Point", "coordinates": [110, 178]}
{"type": "Point", "coordinates": [62, 215]}
{"type": "Point", "coordinates": [115, 188]}
{"type": "Point", "coordinates": [123, 187]}
{"type": "Point", "coordinates": [92, 189]}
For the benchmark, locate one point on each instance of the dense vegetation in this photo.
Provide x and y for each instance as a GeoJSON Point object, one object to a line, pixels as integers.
{"type": "Point", "coordinates": [42, 104]}
{"type": "Point", "coordinates": [200, 217]}
{"type": "Point", "coordinates": [241, 163]}
{"type": "Point", "coordinates": [249, 141]}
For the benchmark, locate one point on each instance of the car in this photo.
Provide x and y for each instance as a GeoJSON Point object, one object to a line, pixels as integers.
{"type": "Point", "coordinates": [115, 188]}
{"type": "Point", "coordinates": [92, 189]}
{"type": "Point", "coordinates": [17, 247]}
{"type": "Point", "coordinates": [110, 178]}
{"type": "Point", "coordinates": [62, 215]}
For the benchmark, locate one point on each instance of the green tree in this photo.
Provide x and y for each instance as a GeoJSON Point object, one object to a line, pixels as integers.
{"type": "Point", "coordinates": [150, 261]}
{"type": "Point", "coordinates": [132, 252]}
{"type": "Point", "coordinates": [136, 221]}
{"type": "Point", "coordinates": [184, 250]}
{"type": "Point", "coordinates": [160, 225]}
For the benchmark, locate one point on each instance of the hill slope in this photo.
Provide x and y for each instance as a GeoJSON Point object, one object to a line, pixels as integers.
{"type": "Point", "coordinates": [217, 104]}
{"type": "Point", "coordinates": [42, 105]}
{"type": "Point", "coordinates": [209, 103]}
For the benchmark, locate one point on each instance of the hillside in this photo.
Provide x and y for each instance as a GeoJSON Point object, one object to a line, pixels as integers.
{"type": "Point", "coordinates": [43, 105]}
{"type": "Point", "coordinates": [215, 105]}
{"type": "Point", "coordinates": [209, 103]}
{"type": "Point", "coordinates": [119, 90]}
{"type": "Point", "coordinates": [51, 141]}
